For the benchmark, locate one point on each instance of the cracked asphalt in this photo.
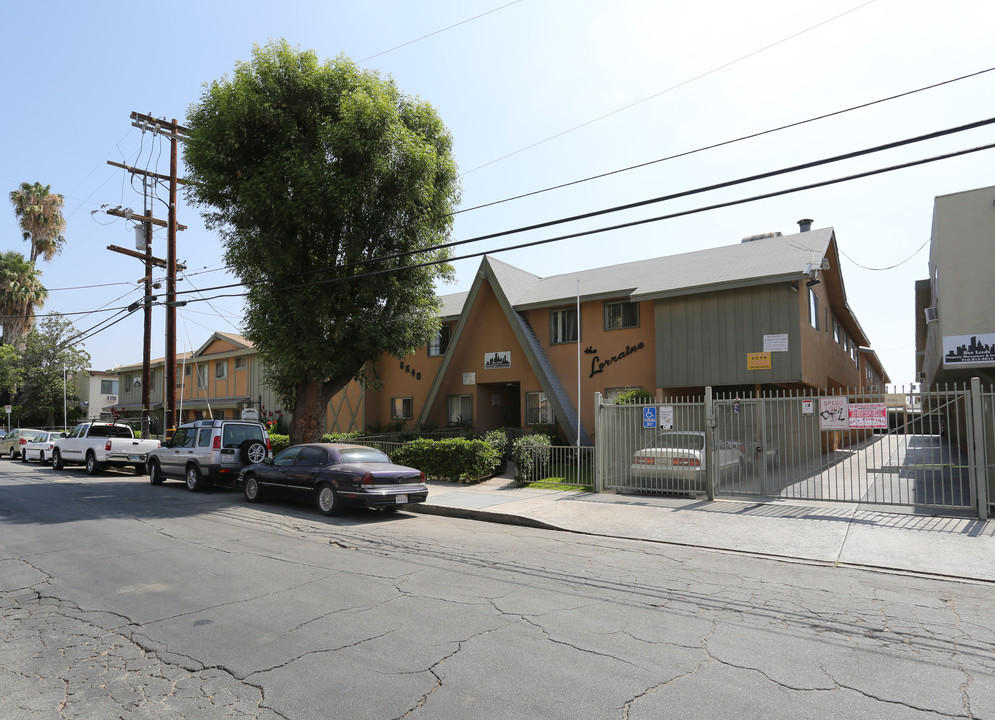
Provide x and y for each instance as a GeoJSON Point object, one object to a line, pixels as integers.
{"type": "Point", "coordinates": [123, 600]}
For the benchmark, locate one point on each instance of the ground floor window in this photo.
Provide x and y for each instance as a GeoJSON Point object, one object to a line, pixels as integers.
{"type": "Point", "coordinates": [537, 409]}
{"type": "Point", "coordinates": [459, 409]}
{"type": "Point", "coordinates": [401, 408]}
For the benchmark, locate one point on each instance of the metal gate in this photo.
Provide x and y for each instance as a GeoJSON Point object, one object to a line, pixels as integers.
{"type": "Point", "coordinates": [929, 451]}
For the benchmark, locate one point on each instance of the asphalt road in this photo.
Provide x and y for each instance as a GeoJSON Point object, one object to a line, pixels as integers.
{"type": "Point", "coordinates": [123, 600]}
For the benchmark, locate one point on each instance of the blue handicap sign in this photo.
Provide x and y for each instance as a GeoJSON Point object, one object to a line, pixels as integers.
{"type": "Point", "coordinates": [649, 417]}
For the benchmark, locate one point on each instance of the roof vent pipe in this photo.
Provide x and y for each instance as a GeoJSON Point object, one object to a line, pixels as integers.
{"type": "Point", "coordinates": [805, 225]}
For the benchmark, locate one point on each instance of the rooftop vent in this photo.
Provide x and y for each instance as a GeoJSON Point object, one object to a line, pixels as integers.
{"type": "Point", "coordinates": [805, 225]}
{"type": "Point", "coordinates": [761, 236]}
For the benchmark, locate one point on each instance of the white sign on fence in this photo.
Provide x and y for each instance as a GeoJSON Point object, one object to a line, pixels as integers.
{"type": "Point", "coordinates": [871, 416]}
{"type": "Point", "coordinates": [833, 413]}
{"type": "Point", "coordinates": [665, 415]}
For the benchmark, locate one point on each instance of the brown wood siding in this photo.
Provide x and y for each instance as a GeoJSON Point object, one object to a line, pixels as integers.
{"type": "Point", "coordinates": [704, 339]}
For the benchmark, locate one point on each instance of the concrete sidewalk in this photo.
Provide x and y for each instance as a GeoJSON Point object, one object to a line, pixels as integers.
{"type": "Point", "coordinates": [831, 533]}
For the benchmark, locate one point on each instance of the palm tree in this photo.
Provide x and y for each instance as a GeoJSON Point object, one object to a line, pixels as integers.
{"type": "Point", "coordinates": [39, 213]}
{"type": "Point", "coordinates": [21, 292]}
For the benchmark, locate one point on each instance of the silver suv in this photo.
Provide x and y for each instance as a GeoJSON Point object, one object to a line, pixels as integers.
{"type": "Point", "coordinates": [206, 452]}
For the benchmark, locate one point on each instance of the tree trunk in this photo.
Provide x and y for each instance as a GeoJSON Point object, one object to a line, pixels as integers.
{"type": "Point", "coordinates": [310, 409]}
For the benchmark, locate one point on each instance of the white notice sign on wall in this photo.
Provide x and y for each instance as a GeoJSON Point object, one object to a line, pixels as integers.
{"type": "Point", "coordinates": [776, 343]}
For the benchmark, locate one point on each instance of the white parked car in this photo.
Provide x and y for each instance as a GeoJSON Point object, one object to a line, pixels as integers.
{"type": "Point", "coordinates": [679, 456]}
{"type": "Point", "coordinates": [40, 447]}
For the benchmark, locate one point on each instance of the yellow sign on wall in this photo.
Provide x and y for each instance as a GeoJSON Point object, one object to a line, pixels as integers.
{"type": "Point", "coordinates": [758, 361]}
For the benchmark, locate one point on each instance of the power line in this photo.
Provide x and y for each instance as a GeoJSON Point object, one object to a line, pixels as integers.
{"type": "Point", "coordinates": [622, 226]}
{"type": "Point", "coordinates": [727, 142]}
{"type": "Point", "coordinates": [669, 89]}
{"type": "Point", "coordinates": [890, 267]}
{"type": "Point", "coordinates": [450, 27]}
{"type": "Point", "coordinates": [655, 200]}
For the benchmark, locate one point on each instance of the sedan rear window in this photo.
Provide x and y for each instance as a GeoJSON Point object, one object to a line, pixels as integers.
{"type": "Point", "coordinates": [363, 456]}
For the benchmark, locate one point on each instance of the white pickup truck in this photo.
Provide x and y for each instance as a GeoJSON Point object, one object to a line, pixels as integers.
{"type": "Point", "coordinates": [100, 444]}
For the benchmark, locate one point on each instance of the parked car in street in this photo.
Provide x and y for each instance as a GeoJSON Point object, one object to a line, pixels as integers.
{"type": "Point", "coordinates": [205, 452]}
{"type": "Point", "coordinates": [14, 441]}
{"type": "Point", "coordinates": [40, 448]}
{"type": "Point", "coordinates": [679, 455]}
{"type": "Point", "coordinates": [96, 445]}
{"type": "Point", "coordinates": [335, 475]}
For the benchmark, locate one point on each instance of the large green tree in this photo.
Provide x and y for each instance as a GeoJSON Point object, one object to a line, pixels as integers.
{"type": "Point", "coordinates": [21, 292]}
{"type": "Point", "coordinates": [39, 213]}
{"type": "Point", "coordinates": [49, 363]}
{"type": "Point", "coordinates": [314, 173]}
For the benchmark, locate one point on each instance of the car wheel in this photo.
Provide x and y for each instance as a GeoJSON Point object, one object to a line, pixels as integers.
{"type": "Point", "coordinates": [155, 473]}
{"type": "Point", "coordinates": [327, 501]}
{"type": "Point", "coordinates": [13, 455]}
{"type": "Point", "coordinates": [92, 466]}
{"type": "Point", "coordinates": [194, 481]}
{"type": "Point", "coordinates": [57, 460]}
{"type": "Point", "coordinates": [24, 456]}
{"type": "Point", "coordinates": [41, 458]}
{"type": "Point", "coordinates": [253, 492]}
{"type": "Point", "coordinates": [252, 451]}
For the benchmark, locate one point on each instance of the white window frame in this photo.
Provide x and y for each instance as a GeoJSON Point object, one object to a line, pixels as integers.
{"type": "Point", "coordinates": [406, 405]}
{"type": "Point", "coordinates": [240, 364]}
{"type": "Point", "coordinates": [563, 326]}
{"type": "Point", "coordinates": [619, 315]}
{"type": "Point", "coordinates": [543, 411]}
{"type": "Point", "coordinates": [202, 376]}
{"type": "Point", "coordinates": [220, 369]}
{"type": "Point", "coordinates": [813, 309]}
{"type": "Point", "coordinates": [459, 409]}
{"type": "Point", "coordinates": [436, 346]}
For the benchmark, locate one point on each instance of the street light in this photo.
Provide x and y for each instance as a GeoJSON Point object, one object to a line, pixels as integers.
{"type": "Point", "coordinates": [65, 412]}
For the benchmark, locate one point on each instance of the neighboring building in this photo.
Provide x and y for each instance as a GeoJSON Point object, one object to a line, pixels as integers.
{"type": "Point", "coordinates": [768, 313]}
{"type": "Point", "coordinates": [98, 391]}
{"type": "Point", "coordinates": [955, 325]}
{"type": "Point", "coordinates": [873, 376]}
{"type": "Point", "coordinates": [219, 379]}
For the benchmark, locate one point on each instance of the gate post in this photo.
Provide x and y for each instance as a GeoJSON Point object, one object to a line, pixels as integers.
{"type": "Point", "coordinates": [980, 469]}
{"type": "Point", "coordinates": [599, 476]}
{"type": "Point", "coordinates": [709, 444]}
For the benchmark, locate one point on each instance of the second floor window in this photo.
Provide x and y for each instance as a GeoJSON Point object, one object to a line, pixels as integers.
{"type": "Point", "coordinates": [564, 326]}
{"type": "Point", "coordinates": [201, 376]}
{"type": "Point", "coordinates": [221, 369]}
{"type": "Point", "coordinates": [813, 308]}
{"type": "Point", "coordinates": [108, 387]}
{"type": "Point", "coordinates": [621, 315]}
{"type": "Point", "coordinates": [440, 342]}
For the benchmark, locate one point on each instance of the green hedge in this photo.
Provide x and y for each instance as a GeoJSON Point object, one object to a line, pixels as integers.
{"type": "Point", "coordinates": [452, 459]}
{"type": "Point", "coordinates": [531, 453]}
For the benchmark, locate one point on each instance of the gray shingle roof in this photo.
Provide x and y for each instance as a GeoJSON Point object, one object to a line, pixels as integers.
{"type": "Point", "coordinates": [766, 259]}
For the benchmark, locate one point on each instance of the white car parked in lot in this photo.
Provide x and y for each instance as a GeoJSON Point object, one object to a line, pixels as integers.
{"type": "Point", "coordinates": [40, 448]}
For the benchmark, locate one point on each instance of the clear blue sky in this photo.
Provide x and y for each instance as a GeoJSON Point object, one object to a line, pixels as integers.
{"type": "Point", "coordinates": [599, 86]}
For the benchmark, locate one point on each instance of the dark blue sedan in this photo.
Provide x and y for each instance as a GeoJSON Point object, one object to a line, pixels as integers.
{"type": "Point", "coordinates": [334, 475]}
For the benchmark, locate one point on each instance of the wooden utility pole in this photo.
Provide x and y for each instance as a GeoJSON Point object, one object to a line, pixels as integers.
{"type": "Point", "coordinates": [174, 132]}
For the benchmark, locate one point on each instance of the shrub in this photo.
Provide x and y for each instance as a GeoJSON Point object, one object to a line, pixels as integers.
{"type": "Point", "coordinates": [531, 454]}
{"type": "Point", "coordinates": [452, 459]}
{"type": "Point", "coordinates": [498, 439]}
{"type": "Point", "coordinates": [279, 442]}
{"type": "Point", "coordinates": [633, 395]}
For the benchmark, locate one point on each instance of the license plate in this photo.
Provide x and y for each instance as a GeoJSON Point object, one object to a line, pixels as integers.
{"type": "Point", "coordinates": [401, 499]}
{"type": "Point", "coordinates": [139, 458]}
